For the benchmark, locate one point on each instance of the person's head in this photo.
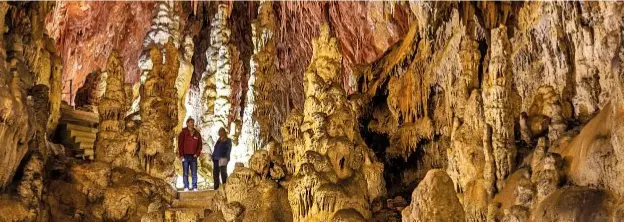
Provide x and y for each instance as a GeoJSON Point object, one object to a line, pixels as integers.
{"type": "Point", "coordinates": [222, 133]}
{"type": "Point", "coordinates": [190, 123]}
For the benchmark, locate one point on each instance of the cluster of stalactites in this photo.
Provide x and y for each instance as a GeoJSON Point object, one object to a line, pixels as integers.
{"type": "Point", "coordinates": [405, 117]}
{"type": "Point", "coordinates": [165, 28]}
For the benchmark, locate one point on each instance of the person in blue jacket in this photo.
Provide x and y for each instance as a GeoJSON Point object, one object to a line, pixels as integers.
{"type": "Point", "coordinates": [220, 158]}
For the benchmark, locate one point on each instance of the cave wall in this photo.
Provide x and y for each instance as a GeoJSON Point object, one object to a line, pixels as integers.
{"type": "Point", "coordinates": [85, 34]}
{"type": "Point", "coordinates": [489, 110]}
{"type": "Point", "coordinates": [508, 85]}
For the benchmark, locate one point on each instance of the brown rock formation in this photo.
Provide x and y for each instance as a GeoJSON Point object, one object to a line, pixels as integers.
{"type": "Point", "coordinates": [86, 33]}
{"type": "Point", "coordinates": [434, 200]}
{"type": "Point", "coordinates": [159, 114]}
{"type": "Point", "coordinates": [327, 148]}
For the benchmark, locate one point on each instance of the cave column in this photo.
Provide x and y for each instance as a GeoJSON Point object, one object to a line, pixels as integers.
{"type": "Point", "coordinates": [498, 115]}
{"type": "Point", "coordinates": [261, 96]}
{"type": "Point", "coordinates": [216, 79]}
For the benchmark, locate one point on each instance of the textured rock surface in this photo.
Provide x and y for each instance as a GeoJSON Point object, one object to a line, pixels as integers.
{"type": "Point", "coordinates": [339, 111]}
{"type": "Point", "coordinates": [158, 112]}
{"type": "Point", "coordinates": [434, 200]}
{"type": "Point", "coordinates": [86, 33]}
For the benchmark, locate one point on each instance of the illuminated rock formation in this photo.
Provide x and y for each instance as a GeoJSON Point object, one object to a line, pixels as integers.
{"type": "Point", "coordinates": [159, 114]}
{"type": "Point", "coordinates": [183, 81]}
{"type": "Point", "coordinates": [215, 82]}
{"type": "Point", "coordinates": [117, 136]}
{"type": "Point", "coordinates": [327, 150]}
{"type": "Point", "coordinates": [456, 111]}
{"type": "Point", "coordinates": [265, 99]}
{"type": "Point", "coordinates": [164, 28]}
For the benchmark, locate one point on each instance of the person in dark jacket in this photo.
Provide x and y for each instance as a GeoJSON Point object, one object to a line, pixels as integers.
{"type": "Point", "coordinates": [189, 148]}
{"type": "Point", "coordinates": [220, 158]}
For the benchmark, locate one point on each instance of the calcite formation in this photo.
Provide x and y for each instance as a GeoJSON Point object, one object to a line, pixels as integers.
{"type": "Point", "coordinates": [215, 83]}
{"type": "Point", "coordinates": [327, 150]}
{"type": "Point", "coordinates": [265, 99]}
{"type": "Point", "coordinates": [159, 113]}
{"type": "Point", "coordinates": [500, 153]}
{"type": "Point", "coordinates": [455, 111]}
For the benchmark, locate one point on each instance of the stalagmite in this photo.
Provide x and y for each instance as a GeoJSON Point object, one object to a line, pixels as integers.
{"type": "Point", "coordinates": [337, 157]}
{"type": "Point", "coordinates": [110, 145]}
{"type": "Point", "coordinates": [497, 107]}
{"type": "Point", "coordinates": [159, 114]}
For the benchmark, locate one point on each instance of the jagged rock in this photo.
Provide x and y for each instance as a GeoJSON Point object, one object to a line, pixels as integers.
{"type": "Point", "coordinates": [573, 203]}
{"type": "Point", "coordinates": [434, 200]}
{"type": "Point", "coordinates": [119, 203]}
{"type": "Point", "coordinates": [89, 94]}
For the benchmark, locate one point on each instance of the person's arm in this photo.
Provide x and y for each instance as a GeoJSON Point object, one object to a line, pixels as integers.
{"type": "Point", "coordinates": [180, 143]}
{"type": "Point", "coordinates": [229, 149]}
{"type": "Point", "coordinates": [200, 144]}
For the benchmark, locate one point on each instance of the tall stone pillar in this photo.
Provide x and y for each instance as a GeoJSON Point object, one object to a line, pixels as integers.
{"type": "Point", "coordinates": [497, 101]}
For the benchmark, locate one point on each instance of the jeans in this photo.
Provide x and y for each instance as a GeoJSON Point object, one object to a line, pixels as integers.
{"type": "Point", "coordinates": [216, 170]}
{"type": "Point", "coordinates": [189, 161]}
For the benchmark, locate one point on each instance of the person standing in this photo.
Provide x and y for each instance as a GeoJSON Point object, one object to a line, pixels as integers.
{"type": "Point", "coordinates": [189, 148]}
{"type": "Point", "coordinates": [220, 158]}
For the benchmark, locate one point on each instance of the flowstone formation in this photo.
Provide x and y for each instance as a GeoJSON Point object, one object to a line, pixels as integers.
{"type": "Point", "coordinates": [335, 175]}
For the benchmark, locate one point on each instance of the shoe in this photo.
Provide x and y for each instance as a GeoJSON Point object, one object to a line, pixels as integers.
{"type": "Point", "coordinates": [186, 189]}
{"type": "Point", "coordinates": [195, 190]}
